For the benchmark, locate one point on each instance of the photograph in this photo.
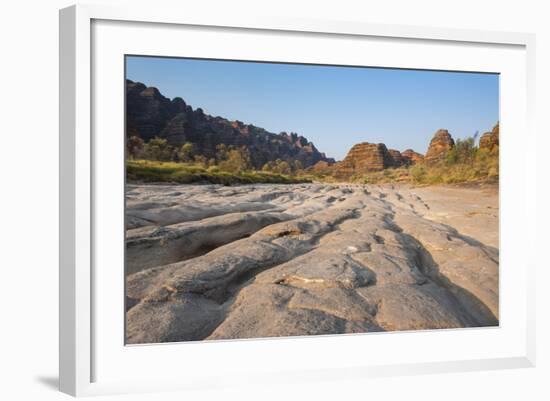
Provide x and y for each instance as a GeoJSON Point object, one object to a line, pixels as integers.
{"type": "Point", "coordinates": [273, 199]}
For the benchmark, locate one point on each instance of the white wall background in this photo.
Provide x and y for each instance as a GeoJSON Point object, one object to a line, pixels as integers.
{"type": "Point", "coordinates": [29, 186]}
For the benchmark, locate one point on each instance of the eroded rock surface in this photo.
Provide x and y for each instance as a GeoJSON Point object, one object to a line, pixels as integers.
{"type": "Point", "coordinates": [489, 141]}
{"type": "Point", "coordinates": [213, 262]}
{"type": "Point", "coordinates": [412, 157]}
{"type": "Point", "coordinates": [440, 145]}
{"type": "Point", "coordinates": [363, 158]}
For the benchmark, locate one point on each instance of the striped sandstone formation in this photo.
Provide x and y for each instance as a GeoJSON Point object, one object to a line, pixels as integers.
{"type": "Point", "coordinates": [489, 141]}
{"type": "Point", "coordinates": [412, 157]}
{"type": "Point", "coordinates": [440, 144]}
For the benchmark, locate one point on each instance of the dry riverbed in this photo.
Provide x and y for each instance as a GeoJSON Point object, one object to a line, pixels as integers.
{"type": "Point", "coordinates": [213, 262]}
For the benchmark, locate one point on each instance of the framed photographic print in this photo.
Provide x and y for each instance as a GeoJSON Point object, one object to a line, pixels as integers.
{"type": "Point", "coordinates": [290, 199]}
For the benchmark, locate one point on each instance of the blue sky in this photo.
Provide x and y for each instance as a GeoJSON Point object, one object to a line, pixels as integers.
{"type": "Point", "coordinates": [334, 107]}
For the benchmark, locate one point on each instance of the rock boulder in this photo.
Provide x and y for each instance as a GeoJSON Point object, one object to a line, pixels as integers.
{"type": "Point", "coordinates": [412, 157]}
{"type": "Point", "coordinates": [489, 141]}
{"type": "Point", "coordinates": [440, 144]}
{"type": "Point", "coordinates": [397, 159]}
{"type": "Point", "coordinates": [364, 157]}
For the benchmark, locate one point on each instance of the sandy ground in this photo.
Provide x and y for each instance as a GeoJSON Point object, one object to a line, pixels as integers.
{"type": "Point", "coordinates": [213, 262]}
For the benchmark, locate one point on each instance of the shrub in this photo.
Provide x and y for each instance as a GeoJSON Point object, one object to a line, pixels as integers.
{"type": "Point", "coordinates": [418, 173]}
{"type": "Point", "coordinates": [185, 173]}
{"type": "Point", "coordinates": [157, 149]}
{"type": "Point", "coordinates": [134, 147]}
{"type": "Point", "coordinates": [187, 152]}
{"type": "Point", "coordinates": [235, 160]}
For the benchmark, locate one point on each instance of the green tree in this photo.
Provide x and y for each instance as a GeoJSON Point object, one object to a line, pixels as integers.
{"type": "Point", "coordinates": [202, 160]}
{"type": "Point", "coordinates": [157, 149]}
{"type": "Point", "coordinates": [187, 152]}
{"type": "Point", "coordinates": [269, 166]}
{"type": "Point", "coordinates": [281, 167]}
{"type": "Point", "coordinates": [134, 147]}
{"type": "Point", "coordinates": [463, 152]}
{"type": "Point", "coordinates": [221, 152]}
{"type": "Point", "coordinates": [297, 166]}
{"type": "Point", "coordinates": [236, 161]}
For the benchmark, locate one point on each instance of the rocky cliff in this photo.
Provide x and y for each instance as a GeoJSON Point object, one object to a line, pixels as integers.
{"type": "Point", "coordinates": [440, 144]}
{"type": "Point", "coordinates": [364, 157]}
{"type": "Point", "coordinates": [397, 159]}
{"type": "Point", "coordinates": [368, 157]}
{"type": "Point", "coordinates": [412, 157]}
{"type": "Point", "coordinates": [489, 141]}
{"type": "Point", "coordinates": [150, 114]}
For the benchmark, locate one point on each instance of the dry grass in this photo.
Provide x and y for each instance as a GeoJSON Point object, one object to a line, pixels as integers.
{"type": "Point", "coordinates": [186, 173]}
{"type": "Point", "coordinates": [482, 166]}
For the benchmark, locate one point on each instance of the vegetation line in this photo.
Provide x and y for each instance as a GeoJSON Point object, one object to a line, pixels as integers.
{"type": "Point", "coordinates": [188, 173]}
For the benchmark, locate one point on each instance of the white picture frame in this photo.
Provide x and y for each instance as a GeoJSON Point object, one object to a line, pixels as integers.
{"type": "Point", "coordinates": [84, 352]}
